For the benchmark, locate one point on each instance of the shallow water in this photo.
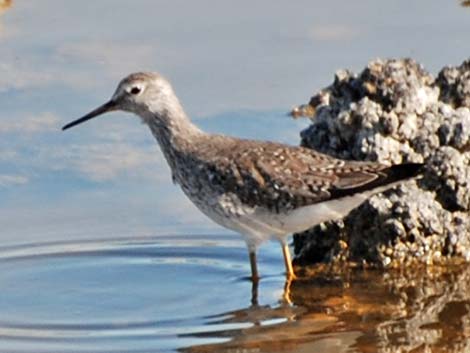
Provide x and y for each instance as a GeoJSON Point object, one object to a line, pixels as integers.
{"type": "Point", "coordinates": [190, 294]}
{"type": "Point", "coordinates": [135, 294]}
{"type": "Point", "coordinates": [84, 263]}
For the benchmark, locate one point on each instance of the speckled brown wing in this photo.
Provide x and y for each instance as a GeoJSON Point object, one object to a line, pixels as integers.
{"type": "Point", "coordinates": [281, 177]}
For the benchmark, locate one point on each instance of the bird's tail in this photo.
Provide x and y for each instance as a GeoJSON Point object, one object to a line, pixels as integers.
{"type": "Point", "coordinates": [386, 178]}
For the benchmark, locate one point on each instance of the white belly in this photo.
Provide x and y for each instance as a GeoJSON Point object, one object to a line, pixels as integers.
{"type": "Point", "coordinates": [258, 224]}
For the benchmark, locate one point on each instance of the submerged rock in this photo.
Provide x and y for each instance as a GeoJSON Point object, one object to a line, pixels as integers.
{"type": "Point", "coordinates": [394, 111]}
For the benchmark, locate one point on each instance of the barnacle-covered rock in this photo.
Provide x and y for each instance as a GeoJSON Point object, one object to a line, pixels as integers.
{"type": "Point", "coordinates": [394, 111]}
{"type": "Point", "coordinates": [454, 83]}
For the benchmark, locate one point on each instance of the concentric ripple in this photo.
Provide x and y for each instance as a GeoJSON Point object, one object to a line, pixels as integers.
{"type": "Point", "coordinates": [136, 294]}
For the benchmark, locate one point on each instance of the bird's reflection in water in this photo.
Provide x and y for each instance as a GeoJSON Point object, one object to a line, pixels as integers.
{"type": "Point", "coordinates": [286, 295]}
{"type": "Point", "coordinates": [366, 311]}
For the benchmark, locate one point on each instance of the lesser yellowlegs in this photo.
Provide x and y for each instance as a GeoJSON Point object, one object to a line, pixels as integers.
{"type": "Point", "coordinates": [260, 189]}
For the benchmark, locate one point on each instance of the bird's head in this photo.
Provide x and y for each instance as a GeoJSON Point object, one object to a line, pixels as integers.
{"type": "Point", "coordinates": [144, 93]}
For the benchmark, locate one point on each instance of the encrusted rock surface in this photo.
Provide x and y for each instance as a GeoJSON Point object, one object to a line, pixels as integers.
{"type": "Point", "coordinates": [394, 111]}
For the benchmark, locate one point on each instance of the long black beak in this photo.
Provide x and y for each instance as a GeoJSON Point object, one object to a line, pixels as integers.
{"type": "Point", "coordinates": [107, 107]}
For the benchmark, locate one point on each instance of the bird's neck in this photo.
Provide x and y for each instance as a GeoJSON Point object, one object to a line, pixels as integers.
{"type": "Point", "coordinates": [172, 128]}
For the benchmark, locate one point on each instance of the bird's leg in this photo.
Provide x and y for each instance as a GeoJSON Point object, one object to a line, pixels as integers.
{"type": "Point", "coordinates": [254, 266]}
{"type": "Point", "coordinates": [290, 274]}
{"type": "Point", "coordinates": [254, 276]}
{"type": "Point", "coordinates": [286, 295]}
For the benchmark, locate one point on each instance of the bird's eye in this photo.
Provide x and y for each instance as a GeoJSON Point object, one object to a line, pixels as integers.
{"type": "Point", "coordinates": [135, 90]}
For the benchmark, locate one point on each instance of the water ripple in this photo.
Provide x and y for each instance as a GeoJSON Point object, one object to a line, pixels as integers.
{"type": "Point", "coordinates": [121, 293]}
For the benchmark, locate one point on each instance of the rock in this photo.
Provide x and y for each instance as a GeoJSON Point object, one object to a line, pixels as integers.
{"type": "Point", "coordinates": [394, 111]}
{"type": "Point", "coordinates": [454, 83]}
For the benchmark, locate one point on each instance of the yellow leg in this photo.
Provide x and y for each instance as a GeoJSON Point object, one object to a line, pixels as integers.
{"type": "Point", "coordinates": [290, 274]}
{"type": "Point", "coordinates": [254, 266]}
{"type": "Point", "coordinates": [286, 295]}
